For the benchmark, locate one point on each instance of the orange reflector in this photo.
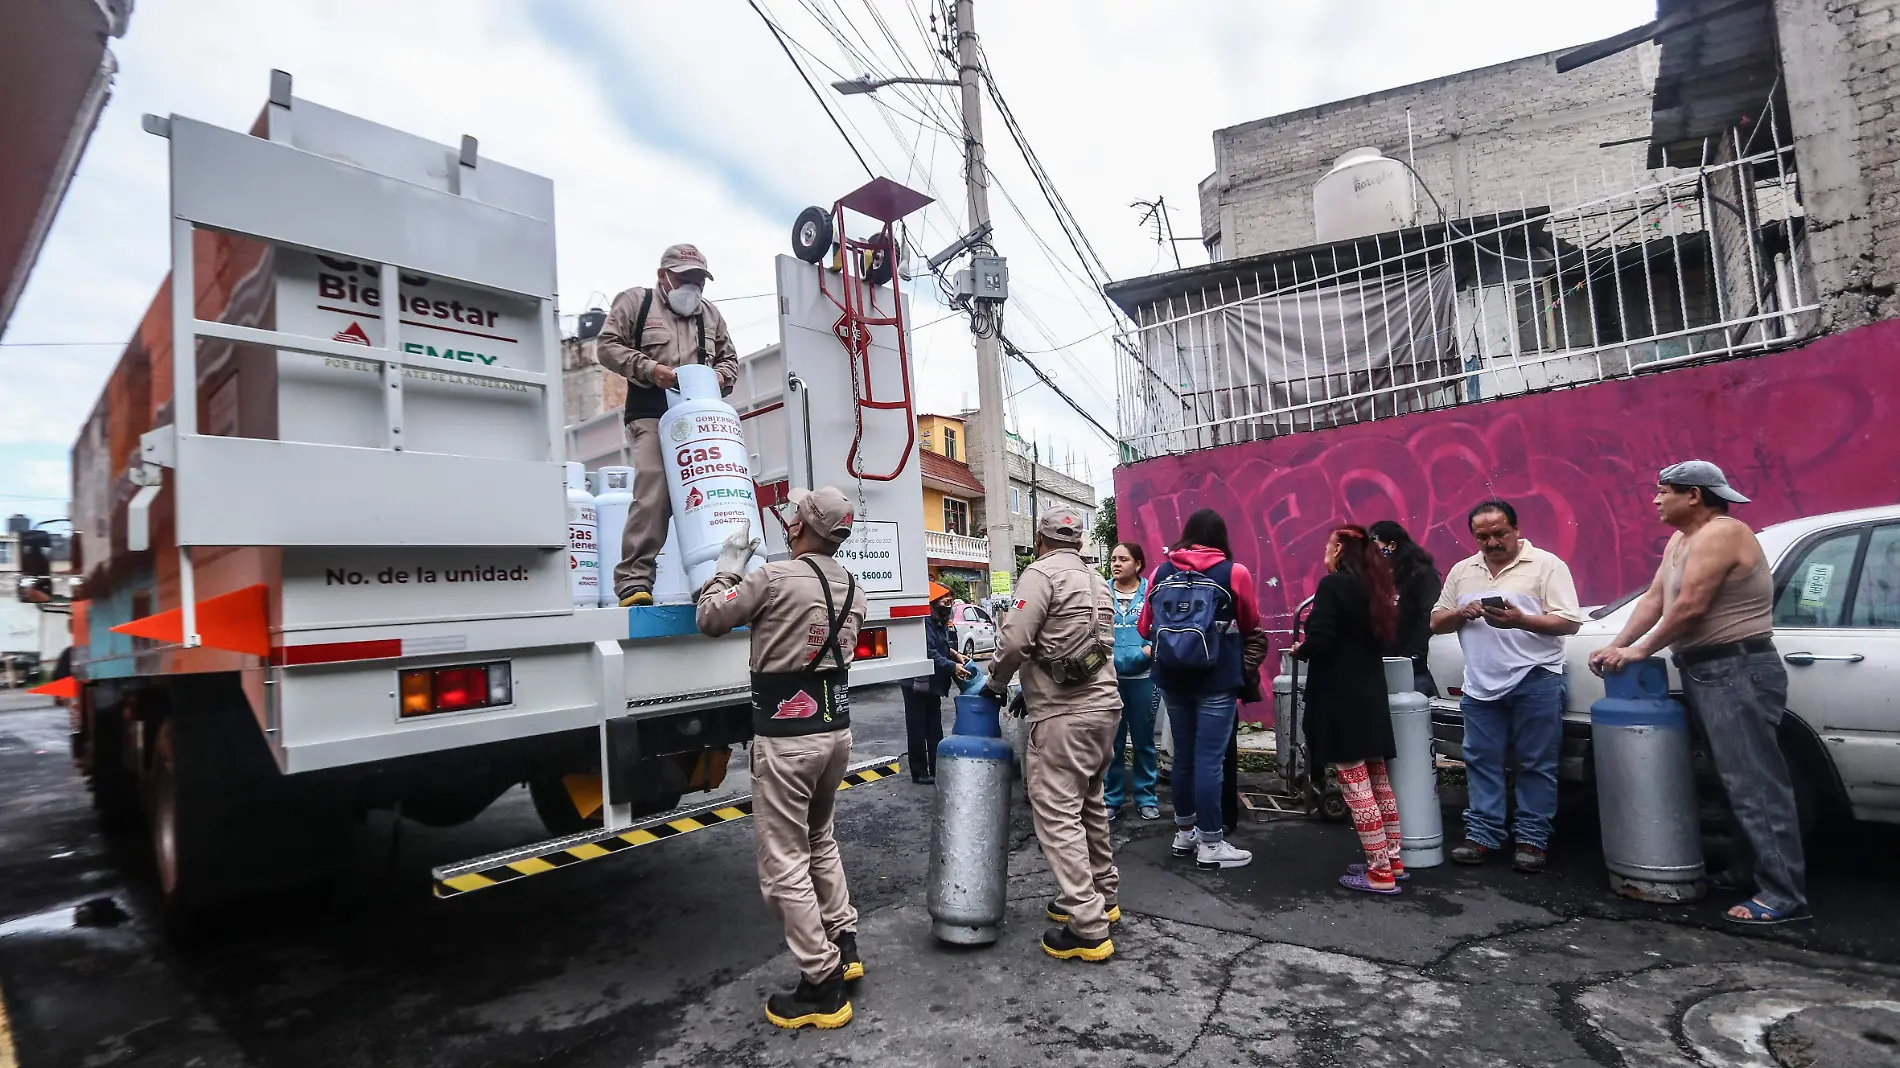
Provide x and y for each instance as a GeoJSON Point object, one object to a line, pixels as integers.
{"type": "Point", "coordinates": [415, 693]}
{"type": "Point", "coordinates": [873, 644]}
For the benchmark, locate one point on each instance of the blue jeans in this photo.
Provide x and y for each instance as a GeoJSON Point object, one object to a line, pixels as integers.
{"type": "Point", "coordinates": [1202, 725]}
{"type": "Point", "coordinates": [1139, 701]}
{"type": "Point", "coordinates": [1530, 721]}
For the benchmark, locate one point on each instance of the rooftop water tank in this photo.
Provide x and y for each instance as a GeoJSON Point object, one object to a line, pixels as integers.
{"type": "Point", "coordinates": [1365, 193]}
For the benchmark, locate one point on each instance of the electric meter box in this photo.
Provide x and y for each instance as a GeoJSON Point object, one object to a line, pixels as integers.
{"type": "Point", "coordinates": [987, 279]}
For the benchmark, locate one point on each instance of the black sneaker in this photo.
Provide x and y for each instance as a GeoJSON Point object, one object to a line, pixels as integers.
{"type": "Point", "coordinates": [1059, 916]}
{"type": "Point", "coordinates": [1527, 858]}
{"type": "Point", "coordinates": [849, 960]}
{"type": "Point", "coordinates": [1063, 944]}
{"type": "Point", "coordinates": [1470, 852]}
{"type": "Point", "coordinates": [822, 1004]}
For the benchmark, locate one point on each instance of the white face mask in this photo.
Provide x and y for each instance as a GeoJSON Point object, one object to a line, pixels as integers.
{"type": "Point", "coordinates": [684, 300]}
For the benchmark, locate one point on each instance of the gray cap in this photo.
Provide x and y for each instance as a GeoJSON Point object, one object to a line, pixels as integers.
{"type": "Point", "coordinates": [826, 510]}
{"type": "Point", "coordinates": [1700, 473]}
{"type": "Point", "coordinates": [1061, 524]}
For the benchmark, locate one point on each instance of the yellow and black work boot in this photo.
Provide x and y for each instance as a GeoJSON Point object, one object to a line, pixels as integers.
{"type": "Point", "coordinates": [853, 965]}
{"type": "Point", "coordinates": [1063, 943]}
{"type": "Point", "coordinates": [822, 1004]}
{"type": "Point", "coordinates": [637, 599]}
{"type": "Point", "coordinates": [1059, 916]}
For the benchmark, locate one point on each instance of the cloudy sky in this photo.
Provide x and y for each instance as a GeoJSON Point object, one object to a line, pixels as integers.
{"type": "Point", "coordinates": [665, 122]}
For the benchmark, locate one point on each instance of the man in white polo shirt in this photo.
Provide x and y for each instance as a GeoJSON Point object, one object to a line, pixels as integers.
{"type": "Point", "coordinates": [1511, 607]}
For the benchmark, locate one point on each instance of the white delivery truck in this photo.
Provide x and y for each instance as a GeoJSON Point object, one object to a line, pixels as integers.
{"type": "Point", "coordinates": [322, 501]}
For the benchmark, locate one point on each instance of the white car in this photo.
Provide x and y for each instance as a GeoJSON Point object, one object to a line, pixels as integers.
{"type": "Point", "coordinates": [972, 630]}
{"type": "Point", "coordinates": [1837, 626]}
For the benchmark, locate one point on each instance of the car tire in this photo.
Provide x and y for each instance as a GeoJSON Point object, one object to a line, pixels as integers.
{"type": "Point", "coordinates": [969, 648]}
{"type": "Point", "coordinates": [115, 788]}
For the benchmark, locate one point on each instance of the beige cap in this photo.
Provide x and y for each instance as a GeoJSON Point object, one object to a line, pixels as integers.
{"type": "Point", "coordinates": [826, 510]}
{"type": "Point", "coordinates": [1061, 524]}
{"type": "Point", "coordinates": [684, 258]}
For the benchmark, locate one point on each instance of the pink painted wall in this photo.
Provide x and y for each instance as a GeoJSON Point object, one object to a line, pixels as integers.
{"type": "Point", "coordinates": [1812, 430]}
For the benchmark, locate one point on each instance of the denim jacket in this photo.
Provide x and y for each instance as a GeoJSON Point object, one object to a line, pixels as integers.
{"type": "Point", "coordinates": [1130, 661]}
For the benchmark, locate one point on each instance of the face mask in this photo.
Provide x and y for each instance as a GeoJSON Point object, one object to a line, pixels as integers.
{"type": "Point", "coordinates": [941, 611]}
{"type": "Point", "coordinates": [684, 300]}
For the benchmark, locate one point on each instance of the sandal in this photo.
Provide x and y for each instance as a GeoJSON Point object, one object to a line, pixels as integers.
{"type": "Point", "coordinates": [1359, 868]}
{"type": "Point", "coordinates": [1361, 883]}
{"type": "Point", "coordinates": [1760, 915]}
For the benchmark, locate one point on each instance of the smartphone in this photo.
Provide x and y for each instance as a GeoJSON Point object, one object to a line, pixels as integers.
{"type": "Point", "coordinates": [1494, 602]}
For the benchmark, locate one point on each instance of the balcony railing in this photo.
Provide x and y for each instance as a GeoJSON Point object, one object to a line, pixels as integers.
{"type": "Point", "coordinates": [941, 546]}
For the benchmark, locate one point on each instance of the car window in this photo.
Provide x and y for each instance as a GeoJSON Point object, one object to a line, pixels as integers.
{"type": "Point", "coordinates": [1814, 593]}
{"type": "Point", "coordinates": [979, 615]}
{"type": "Point", "coordinates": [1877, 595]}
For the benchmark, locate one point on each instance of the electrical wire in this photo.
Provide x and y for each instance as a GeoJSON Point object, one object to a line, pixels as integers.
{"type": "Point", "coordinates": [779, 36]}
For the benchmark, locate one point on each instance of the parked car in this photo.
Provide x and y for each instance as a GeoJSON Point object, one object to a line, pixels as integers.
{"type": "Point", "coordinates": [1837, 625]}
{"type": "Point", "coordinates": [971, 629]}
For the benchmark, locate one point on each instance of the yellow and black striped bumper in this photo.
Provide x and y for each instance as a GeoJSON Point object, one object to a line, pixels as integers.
{"type": "Point", "coordinates": [454, 880]}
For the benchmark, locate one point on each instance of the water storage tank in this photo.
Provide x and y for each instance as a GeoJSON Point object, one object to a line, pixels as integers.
{"type": "Point", "coordinates": [583, 550]}
{"type": "Point", "coordinates": [1365, 193]}
{"type": "Point", "coordinates": [708, 474]}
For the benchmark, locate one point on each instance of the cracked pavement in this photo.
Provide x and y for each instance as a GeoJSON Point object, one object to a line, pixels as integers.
{"type": "Point", "coordinates": [664, 956]}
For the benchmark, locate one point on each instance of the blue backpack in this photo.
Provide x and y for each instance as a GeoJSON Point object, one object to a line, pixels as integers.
{"type": "Point", "coordinates": [1193, 611]}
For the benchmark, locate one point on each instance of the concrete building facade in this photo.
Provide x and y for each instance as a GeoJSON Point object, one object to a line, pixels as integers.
{"type": "Point", "coordinates": [1034, 487]}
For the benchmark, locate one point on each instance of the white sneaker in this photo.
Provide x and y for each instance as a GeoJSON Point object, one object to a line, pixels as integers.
{"type": "Point", "coordinates": [1185, 841]}
{"type": "Point", "coordinates": [1221, 854]}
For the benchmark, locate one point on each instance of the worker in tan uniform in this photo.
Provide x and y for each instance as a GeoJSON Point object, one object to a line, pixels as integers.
{"type": "Point", "coordinates": [648, 333]}
{"type": "Point", "coordinates": [804, 615]}
{"type": "Point", "coordinates": [1060, 633]}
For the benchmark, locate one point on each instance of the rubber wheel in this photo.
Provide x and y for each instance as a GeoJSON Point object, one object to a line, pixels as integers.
{"type": "Point", "coordinates": [811, 234]}
{"type": "Point", "coordinates": [969, 648]}
{"type": "Point", "coordinates": [1332, 807]}
{"type": "Point", "coordinates": [883, 260]}
{"type": "Point", "coordinates": [115, 789]}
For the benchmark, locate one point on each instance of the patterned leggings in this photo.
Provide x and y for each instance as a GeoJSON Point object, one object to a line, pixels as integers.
{"type": "Point", "coordinates": [1375, 815]}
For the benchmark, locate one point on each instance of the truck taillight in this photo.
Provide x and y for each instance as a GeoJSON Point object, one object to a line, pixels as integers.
{"type": "Point", "coordinates": [456, 689]}
{"type": "Point", "coordinates": [873, 644]}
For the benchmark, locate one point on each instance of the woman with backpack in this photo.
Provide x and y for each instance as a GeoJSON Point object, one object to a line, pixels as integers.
{"type": "Point", "coordinates": [1201, 607]}
{"type": "Point", "coordinates": [1415, 574]}
{"type": "Point", "coordinates": [1348, 724]}
{"type": "Point", "coordinates": [1134, 658]}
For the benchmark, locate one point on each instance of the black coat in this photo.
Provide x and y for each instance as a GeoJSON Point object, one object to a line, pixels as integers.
{"type": "Point", "coordinates": [1417, 595]}
{"type": "Point", "coordinates": [1347, 719]}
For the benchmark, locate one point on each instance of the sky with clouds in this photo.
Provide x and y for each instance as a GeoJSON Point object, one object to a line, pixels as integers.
{"type": "Point", "coordinates": [665, 122]}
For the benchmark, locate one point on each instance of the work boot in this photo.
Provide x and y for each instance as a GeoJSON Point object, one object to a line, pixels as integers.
{"type": "Point", "coordinates": [1221, 854]}
{"type": "Point", "coordinates": [1059, 916]}
{"type": "Point", "coordinates": [849, 960]}
{"type": "Point", "coordinates": [639, 598]}
{"type": "Point", "coordinates": [1527, 858]}
{"type": "Point", "coordinates": [1064, 944]}
{"type": "Point", "coordinates": [1185, 839]}
{"type": "Point", "coordinates": [822, 1004]}
{"type": "Point", "coordinates": [1470, 852]}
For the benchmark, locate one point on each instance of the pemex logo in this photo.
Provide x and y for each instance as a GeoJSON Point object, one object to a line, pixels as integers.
{"type": "Point", "coordinates": [352, 334]}
{"type": "Point", "coordinates": [695, 499]}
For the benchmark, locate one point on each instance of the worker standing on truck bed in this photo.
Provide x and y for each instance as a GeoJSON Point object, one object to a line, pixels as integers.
{"type": "Point", "coordinates": [1061, 634]}
{"type": "Point", "coordinates": [804, 614]}
{"type": "Point", "coordinates": [648, 333]}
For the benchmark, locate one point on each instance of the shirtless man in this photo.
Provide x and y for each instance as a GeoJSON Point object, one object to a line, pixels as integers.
{"type": "Point", "coordinates": [1712, 606]}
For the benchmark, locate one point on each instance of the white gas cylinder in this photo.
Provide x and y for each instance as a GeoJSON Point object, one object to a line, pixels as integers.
{"type": "Point", "coordinates": [669, 576]}
{"type": "Point", "coordinates": [612, 502]}
{"type": "Point", "coordinates": [583, 550]}
{"type": "Point", "coordinates": [707, 474]}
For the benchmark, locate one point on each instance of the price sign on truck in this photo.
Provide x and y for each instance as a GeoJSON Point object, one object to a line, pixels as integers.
{"type": "Point", "coordinates": [870, 553]}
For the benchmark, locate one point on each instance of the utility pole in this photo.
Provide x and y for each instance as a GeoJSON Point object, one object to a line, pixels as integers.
{"type": "Point", "coordinates": [989, 350]}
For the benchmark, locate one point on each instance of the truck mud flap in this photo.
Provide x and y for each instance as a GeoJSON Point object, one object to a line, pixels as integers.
{"type": "Point", "coordinates": [465, 877]}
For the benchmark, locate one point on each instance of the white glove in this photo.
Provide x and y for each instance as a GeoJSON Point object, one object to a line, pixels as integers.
{"type": "Point", "coordinates": [738, 548]}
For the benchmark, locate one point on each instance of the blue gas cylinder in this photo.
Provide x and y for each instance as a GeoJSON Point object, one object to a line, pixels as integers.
{"type": "Point", "coordinates": [969, 855]}
{"type": "Point", "coordinates": [1646, 800]}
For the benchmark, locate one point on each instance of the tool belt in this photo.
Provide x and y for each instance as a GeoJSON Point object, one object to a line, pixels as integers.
{"type": "Point", "coordinates": [788, 704]}
{"type": "Point", "coordinates": [1078, 670]}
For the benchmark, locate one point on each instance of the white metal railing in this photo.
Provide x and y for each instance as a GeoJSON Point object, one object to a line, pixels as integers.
{"type": "Point", "coordinates": [956, 547]}
{"type": "Point", "coordinates": [1693, 263]}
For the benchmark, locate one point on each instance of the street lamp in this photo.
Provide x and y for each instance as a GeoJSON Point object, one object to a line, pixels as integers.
{"type": "Point", "coordinates": [864, 83]}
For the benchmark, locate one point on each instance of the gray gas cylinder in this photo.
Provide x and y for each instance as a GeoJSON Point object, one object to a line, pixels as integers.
{"type": "Point", "coordinates": [969, 846]}
{"type": "Point", "coordinates": [1413, 772]}
{"type": "Point", "coordinates": [1646, 802]}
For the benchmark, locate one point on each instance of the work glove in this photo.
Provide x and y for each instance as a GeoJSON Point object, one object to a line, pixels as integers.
{"type": "Point", "coordinates": [737, 549]}
{"type": "Point", "coordinates": [992, 690]}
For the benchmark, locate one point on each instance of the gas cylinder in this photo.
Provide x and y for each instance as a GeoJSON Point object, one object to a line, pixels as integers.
{"type": "Point", "coordinates": [969, 845]}
{"type": "Point", "coordinates": [1286, 738]}
{"type": "Point", "coordinates": [1413, 772]}
{"type": "Point", "coordinates": [708, 474]}
{"type": "Point", "coordinates": [611, 503]}
{"type": "Point", "coordinates": [1646, 801]}
{"type": "Point", "coordinates": [669, 575]}
{"type": "Point", "coordinates": [583, 550]}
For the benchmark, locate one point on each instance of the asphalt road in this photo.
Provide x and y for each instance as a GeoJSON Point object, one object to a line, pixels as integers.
{"type": "Point", "coordinates": [662, 955]}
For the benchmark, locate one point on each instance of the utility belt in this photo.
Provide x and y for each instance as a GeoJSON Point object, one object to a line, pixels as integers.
{"type": "Point", "coordinates": [789, 704]}
{"type": "Point", "coordinates": [1761, 643]}
{"type": "Point", "coordinates": [1078, 670]}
